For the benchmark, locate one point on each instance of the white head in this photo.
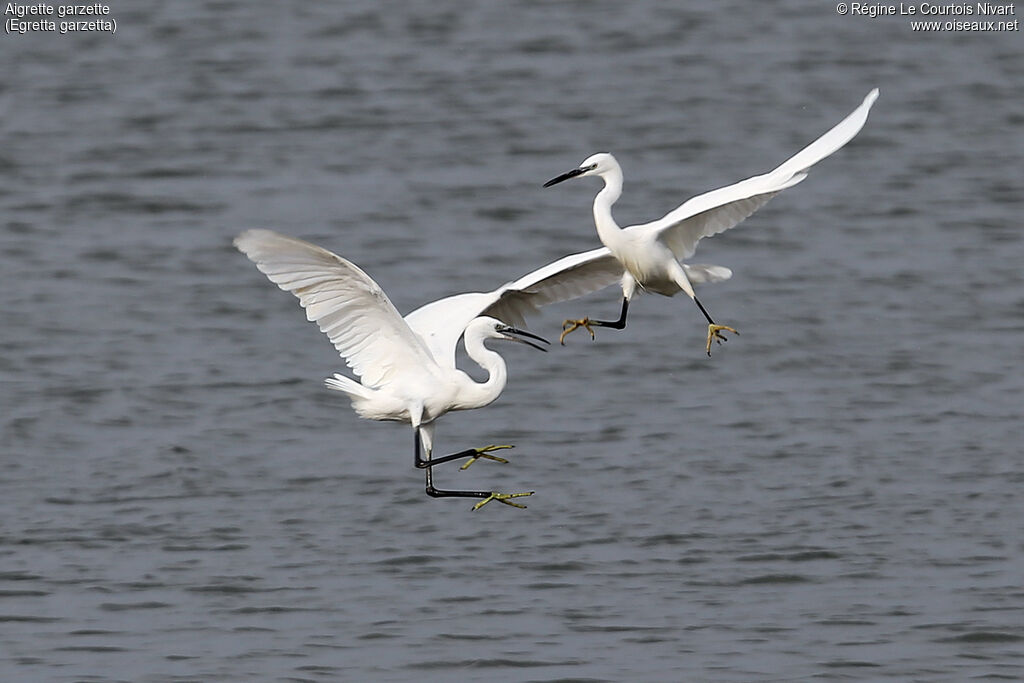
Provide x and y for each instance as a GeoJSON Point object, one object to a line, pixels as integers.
{"type": "Point", "coordinates": [486, 327]}
{"type": "Point", "coordinates": [597, 164]}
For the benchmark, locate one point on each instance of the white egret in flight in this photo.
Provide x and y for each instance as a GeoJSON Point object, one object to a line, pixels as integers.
{"type": "Point", "coordinates": [650, 253]}
{"type": "Point", "coordinates": [407, 366]}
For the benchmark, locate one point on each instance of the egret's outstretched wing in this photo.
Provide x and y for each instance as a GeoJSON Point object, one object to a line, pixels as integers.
{"type": "Point", "coordinates": [441, 323]}
{"type": "Point", "coordinates": [570, 277]}
{"type": "Point", "coordinates": [716, 211]}
{"type": "Point", "coordinates": [350, 308]}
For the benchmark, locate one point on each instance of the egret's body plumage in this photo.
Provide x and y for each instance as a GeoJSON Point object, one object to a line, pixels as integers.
{"type": "Point", "coordinates": [427, 391]}
{"type": "Point", "coordinates": [406, 366]}
{"type": "Point", "coordinates": [650, 254]}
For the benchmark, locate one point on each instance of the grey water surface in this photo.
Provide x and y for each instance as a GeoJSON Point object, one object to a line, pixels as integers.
{"type": "Point", "coordinates": [835, 495]}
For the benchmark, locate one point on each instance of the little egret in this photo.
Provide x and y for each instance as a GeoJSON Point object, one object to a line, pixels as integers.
{"type": "Point", "coordinates": [650, 253]}
{"type": "Point", "coordinates": [407, 366]}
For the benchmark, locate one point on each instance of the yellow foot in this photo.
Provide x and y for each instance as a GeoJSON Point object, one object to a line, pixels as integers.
{"type": "Point", "coordinates": [573, 325]}
{"type": "Point", "coordinates": [485, 454]}
{"type": "Point", "coordinates": [503, 498]}
{"type": "Point", "coordinates": [715, 333]}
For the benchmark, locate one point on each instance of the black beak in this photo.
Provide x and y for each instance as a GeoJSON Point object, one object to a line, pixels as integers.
{"type": "Point", "coordinates": [565, 176]}
{"type": "Point", "coordinates": [510, 331]}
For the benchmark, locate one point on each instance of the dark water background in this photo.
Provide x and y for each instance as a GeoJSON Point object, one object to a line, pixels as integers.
{"type": "Point", "coordinates": [836, 495]}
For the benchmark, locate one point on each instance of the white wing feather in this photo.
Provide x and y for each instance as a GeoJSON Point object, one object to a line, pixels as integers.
{"type": "Point", "coordinates": [347, 305]}
{"type": "Point", "coordinates": [716, 211]}
{"type": "Point", "coordinates": [441, 323]}
{"type": "Point", "coordinates": [570, 277]}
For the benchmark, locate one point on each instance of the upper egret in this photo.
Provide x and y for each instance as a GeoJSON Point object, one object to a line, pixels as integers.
{"type": "Point", "coordinates": [407, 366]}
{"type": "Point", "coordinates": [648, 253]}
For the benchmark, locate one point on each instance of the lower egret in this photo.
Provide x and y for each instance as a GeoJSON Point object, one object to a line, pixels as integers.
{"type": "Point", "coordinates": [407, 366]}
{"type": "Point", "coordinates": [649, 254]}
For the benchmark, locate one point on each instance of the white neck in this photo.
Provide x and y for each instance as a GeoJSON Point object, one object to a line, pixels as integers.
{"type": "Point", "coordinates": [479, 394]}
{"type": "Point", "coordinates": [607, 229]}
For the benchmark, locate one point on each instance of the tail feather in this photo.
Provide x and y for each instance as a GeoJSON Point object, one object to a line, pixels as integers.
{"type": "Point", "coordinates": [700, 273]}
{"type": "Point", "coordinates": [371, 404]}
{"type": "Point", "coordinates": [349, 386]}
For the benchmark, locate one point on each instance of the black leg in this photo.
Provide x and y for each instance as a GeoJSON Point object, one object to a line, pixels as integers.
{"type": "Point", "coordinates": [485, 496]}
{"type": "Point", "coordinates": [714, 329]}
{"type": "Point", "coordinates": [703, 310]}
{"type": "Point", "coordinates": [427, 465]}
{"type": "Point", "coordinates": [619, 324]}
{"type": "Point", "coordinates": [588, 324]}
{"type": "Point", "coordinates": [472, 453]}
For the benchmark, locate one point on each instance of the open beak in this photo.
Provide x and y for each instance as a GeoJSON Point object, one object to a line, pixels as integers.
{"type": "Point", "coordinates": [509, 332]}
{"type": "Point", "coordinates": [565, 176]}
